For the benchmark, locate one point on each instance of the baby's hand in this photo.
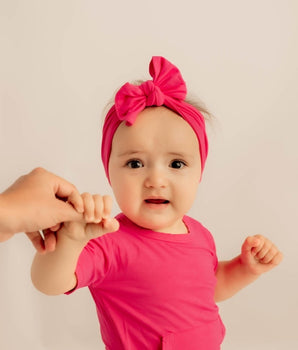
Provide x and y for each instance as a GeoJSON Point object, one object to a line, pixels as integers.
{"type": "Point", "coordinates": [96, 219]}
{"type": "Point", "coordinates": [259, 254]}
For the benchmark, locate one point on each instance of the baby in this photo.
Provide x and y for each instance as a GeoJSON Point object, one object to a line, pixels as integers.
{"type": "Point", "coordinates": [152, 271]}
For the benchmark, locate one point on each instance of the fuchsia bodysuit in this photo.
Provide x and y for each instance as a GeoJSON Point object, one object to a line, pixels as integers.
{"type": "Point", "coordinates": [153, 290]}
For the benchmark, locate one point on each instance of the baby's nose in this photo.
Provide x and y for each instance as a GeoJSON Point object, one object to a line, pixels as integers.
{"type": "Point", "coordinates": [156, 177]}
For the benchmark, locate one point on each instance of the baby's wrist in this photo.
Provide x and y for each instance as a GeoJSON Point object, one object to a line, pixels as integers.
{"type": "Point", "coordinates": [66, 237]}
{"type": "Point", "coordinates": [249, 268]}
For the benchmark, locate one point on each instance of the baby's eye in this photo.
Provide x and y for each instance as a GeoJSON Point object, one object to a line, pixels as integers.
{"type": "Point", "coordinates": [177, 164]}
{"type": "Point", "coordinates": [134, 164]}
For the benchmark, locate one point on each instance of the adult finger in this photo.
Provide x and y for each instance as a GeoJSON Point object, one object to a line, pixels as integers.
{"type": "Point", "coordinates": [37, 241]}
{"type": "Point", "coordinates": [75, 199]}
{"type": "Point", "coordinates": [62, 188]}
{"type": "Point", "coordinates": [4, 236]}
{"type": "Point", "coordinates": [49, 241]}
{"type": "Point", "coordinates": [55, 228]}
{"type": "Point", "coordinates": [63, 211]}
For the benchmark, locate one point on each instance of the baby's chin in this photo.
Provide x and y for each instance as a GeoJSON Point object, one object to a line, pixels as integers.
{"type": "Point", "coordinates": [162, 226]}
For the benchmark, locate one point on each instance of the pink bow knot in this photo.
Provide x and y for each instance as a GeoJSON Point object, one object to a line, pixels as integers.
{"type": "Point", "coordinates": [154, 96]}
{"type": "Point", "coordinates": [130, 100]}
{"type": "Point", "coordinates": [167, 83]}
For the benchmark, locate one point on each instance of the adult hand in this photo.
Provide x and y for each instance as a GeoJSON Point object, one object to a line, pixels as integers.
{"type": "Point", "coordinates": [37, 201]}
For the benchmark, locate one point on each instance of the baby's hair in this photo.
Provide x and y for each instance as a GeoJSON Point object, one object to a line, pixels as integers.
{"type": "Point", "coordinates": [194, 101]}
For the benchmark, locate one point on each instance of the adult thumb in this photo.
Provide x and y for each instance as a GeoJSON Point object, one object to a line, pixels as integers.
{"type": "Point", "coordinates": [66, 212]}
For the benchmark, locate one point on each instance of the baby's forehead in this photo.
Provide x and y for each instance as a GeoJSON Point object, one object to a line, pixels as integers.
{"type": "Point", "coordinates": [156, 129]}
{"type": "Point", "coordinates": [156, 119]}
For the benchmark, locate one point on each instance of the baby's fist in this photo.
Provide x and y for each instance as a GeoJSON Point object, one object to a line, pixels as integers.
{"type": "Point", "coordinates": [259, 254]}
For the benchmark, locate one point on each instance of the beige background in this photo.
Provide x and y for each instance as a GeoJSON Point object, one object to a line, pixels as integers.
{"type": "Point", "coordinates": [60, 63]}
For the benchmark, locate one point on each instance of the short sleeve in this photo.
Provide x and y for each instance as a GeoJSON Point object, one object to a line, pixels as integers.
{"type": "Point", "coordinates": [215, 258]}
{"type": "Point", "coordinates": [210, 243]}
{"type": "Point", "coordinates": [212, 246]}
{"type": "Point", "coordinates": [93, 264]}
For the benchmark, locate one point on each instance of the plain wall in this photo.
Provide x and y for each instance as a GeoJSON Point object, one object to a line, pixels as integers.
{"type": "Point", "coordinates": [61, 62]}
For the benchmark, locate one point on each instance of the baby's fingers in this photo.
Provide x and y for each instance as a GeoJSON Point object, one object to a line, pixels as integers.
{"type": "Point", "coordinates": [263, 248]}
{"type": "Point", "coordinates": [108, 202]}
{"type": "Point", "coordinates": [105, 226]}
{"type": "Point", "coordinates": [273, 256]}
{"type": "Point", "coordinates": [266, 251]}
{"type": "Point", "coordinates": [98, 208]}
{"type": "Point", "coordinates": [110, 225]}
{"type": "Point", "coordinates": [89, 206]}
{"type": "Point", "coordinates": [103, 207]}
{"type": "Point", "coordinates": [277, 259]}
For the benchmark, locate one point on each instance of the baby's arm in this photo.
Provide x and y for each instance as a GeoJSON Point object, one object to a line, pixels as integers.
{"type": "Point", "coordinates": [54, 273]}
{"type": "Point", "coordinates": [258, 255]}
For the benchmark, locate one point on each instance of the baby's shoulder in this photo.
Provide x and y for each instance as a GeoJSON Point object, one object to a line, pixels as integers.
{"type": "Point", "coordinates": [198, 230]}
{"type": "Point", "coordinates": [194, 224]}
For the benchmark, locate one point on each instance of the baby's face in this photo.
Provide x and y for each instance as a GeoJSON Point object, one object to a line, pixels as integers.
{"type": "Point", "coordinates": [155, 169]}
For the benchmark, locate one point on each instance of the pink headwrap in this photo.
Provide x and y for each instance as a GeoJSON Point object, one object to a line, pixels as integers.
{"type": "Point", "coordinates": [166, 89]}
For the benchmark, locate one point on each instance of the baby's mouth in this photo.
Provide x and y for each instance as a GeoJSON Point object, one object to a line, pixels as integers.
{"type": "Point", "coordinates": [157, 201]}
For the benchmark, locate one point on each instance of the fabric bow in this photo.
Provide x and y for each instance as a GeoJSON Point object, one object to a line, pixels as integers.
{"type": "Point", "coordinates": [167, 84]}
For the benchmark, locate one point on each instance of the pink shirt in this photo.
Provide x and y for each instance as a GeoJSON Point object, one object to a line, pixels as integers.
{"type": "Point", "coordinates": [153, 290]}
